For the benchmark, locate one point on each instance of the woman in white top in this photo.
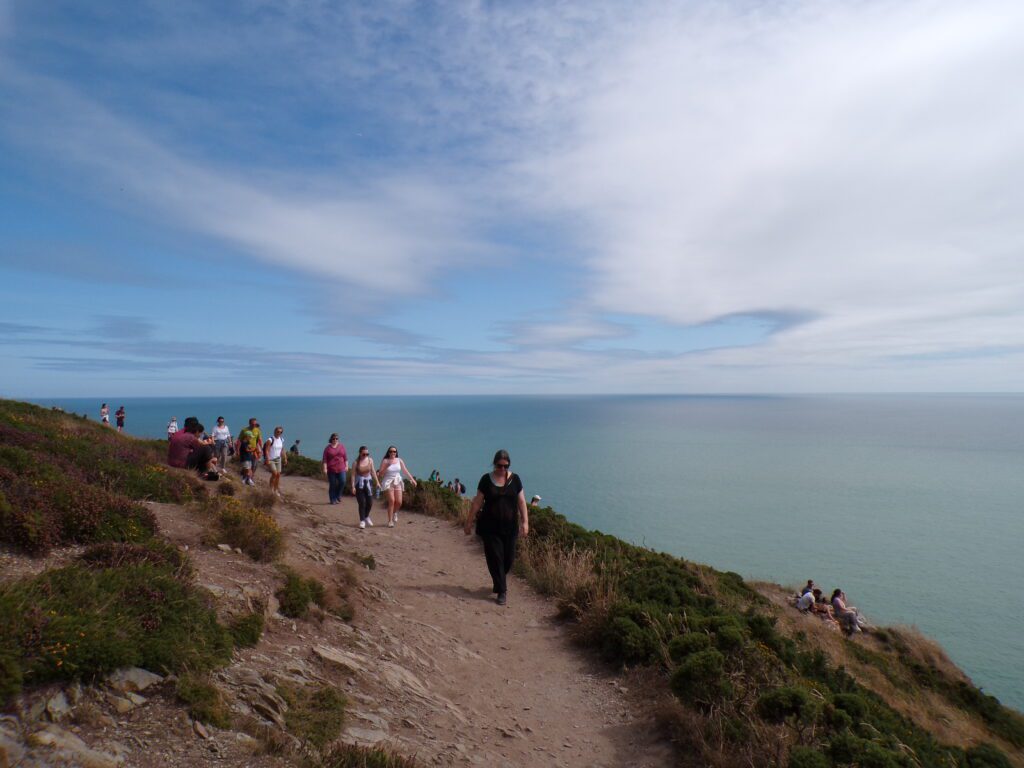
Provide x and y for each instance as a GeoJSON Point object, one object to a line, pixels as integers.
{"type": "Point", "coordinates": [221, 444]}
{"type": "Point", "coordinates": [275, 458]}
{"type": "Point", "coordinates": [390, 475]}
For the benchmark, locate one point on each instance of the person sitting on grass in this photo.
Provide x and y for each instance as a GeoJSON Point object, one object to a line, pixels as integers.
{"type": "Point", "coordinates": [848, 616]}
{"type": "Point", "coordinates": [187, 451]}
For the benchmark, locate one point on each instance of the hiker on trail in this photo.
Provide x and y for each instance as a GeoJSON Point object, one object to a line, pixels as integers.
{"type": "Point", "coordinates": [249, 442]}
{"type": "Point", "coordinates": [275, 458]}
{"type": "Point", "coordinates": [500, 515]}
{"type": "Point", "coordinates": [222, 444]}
{"type": "Point", "coordinates": [172, 427]}
{"type": "Point", "coordinates": [364, 477]}
{"type": "Point", "coordinates": [119, 417]}
{"type": "Point", "coordinates": [294, 450]}
{"type": "Point", "coordinates": [390, 475]}
{"type": "Point", "coordinates": [335, 463]}
{"type": "Point", "coordinates": [105, 415]}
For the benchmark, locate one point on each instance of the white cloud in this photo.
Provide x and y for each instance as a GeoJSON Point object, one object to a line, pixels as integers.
{"type": "Point", "coordinates": [388, 234]}
{"type": "Point", "coordinates": [859, 162]}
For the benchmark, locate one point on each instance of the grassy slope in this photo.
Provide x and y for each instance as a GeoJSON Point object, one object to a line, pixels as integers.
{"type": "Point", "coordinates": [752, 681]}
{"type": "Point", "coordinates": [128, 598]}
{"type": "Point", "coordinates": [752, 685]}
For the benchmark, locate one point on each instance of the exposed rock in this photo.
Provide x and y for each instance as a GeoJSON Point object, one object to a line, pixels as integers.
{"type": "Point", "coordinates": [73, 748]}
{"type": "Point", "coordinates": [200, 730]}
{"type": "Point", "coordinates": [57, 707]}
{"type": "Point", "coordinates": [135, 699]}
{"type": "Point", "coordinates": [11, 748]}
{"type": "Point", "coordinates": [364, 736]}
{"type": "Point", "coordinates": [122, 705]}
{"type": "Point", "coordinates": [74, 693]}
{"type": "Point", "coordinates": [224, 548]}
{"type": "Point", "coordinates": [133, 679]}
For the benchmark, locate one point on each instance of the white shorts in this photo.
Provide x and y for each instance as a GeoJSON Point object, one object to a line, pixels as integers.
{"type": "Point", "coordinates": [393, 482]}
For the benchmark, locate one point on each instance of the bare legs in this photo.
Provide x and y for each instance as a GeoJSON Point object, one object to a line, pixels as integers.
{"type": "Point", "coordinates": [394, 504]}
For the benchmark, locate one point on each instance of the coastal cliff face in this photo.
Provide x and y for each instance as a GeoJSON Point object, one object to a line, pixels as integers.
{"type": "Point", "coordinates": [147, 617]}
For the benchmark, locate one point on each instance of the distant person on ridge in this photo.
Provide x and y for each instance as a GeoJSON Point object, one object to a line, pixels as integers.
{"type": "Point", "coordinates": [105, 415]}
{"type": "Point", "coordinates": [390, 475]}
{"type": "Point", "coordinates": [250, 440]}
{"type": "Point", "coordinates": [294, 450]}
{"type": "Point", "coordinates": [275, 458]}
{"type": "Point", "coordinates": [172, 427]}
{"type": "Point", "coordinates": [119, 417]}
{"type": "Point", "coordinates": [500, 515]}
{"type": "Point", "coordinates": [335, 464]}
{"type": "Point", "coordinates": [364, 478]}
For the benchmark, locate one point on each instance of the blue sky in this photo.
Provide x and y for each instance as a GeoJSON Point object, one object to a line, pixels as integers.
{"type": "Point", "coordinates": [401, 197]}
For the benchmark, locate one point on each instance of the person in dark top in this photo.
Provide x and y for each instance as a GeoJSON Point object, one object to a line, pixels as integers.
{"type": "Point", "coordinates": [500, 516]}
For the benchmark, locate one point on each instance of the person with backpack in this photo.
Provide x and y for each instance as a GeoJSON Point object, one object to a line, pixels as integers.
{"type": "Point", "coordinates": [250, 442]}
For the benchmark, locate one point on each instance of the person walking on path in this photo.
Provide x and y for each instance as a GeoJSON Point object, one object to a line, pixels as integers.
{"type": "Point", "coordinates": [335, 463]}
{"type": "Point", "coordinates": [250, 440]}
{"type": "Point", "coordinates": [390, 475]}
{"type": "Point", "coordinates": [222, 443]}
{"type": "Point", "coordinates": [364, 478]}
{"type": "Point", "coordinates": [105, 415]}
{"type": "Point", "coordinates": [500, 515]}
{"type": "Point", "coordinates": [275, 458]}
{"type": "Point", "coordinates": [119, 417]}
{"type": "Point", "coordinates": [172, 427]}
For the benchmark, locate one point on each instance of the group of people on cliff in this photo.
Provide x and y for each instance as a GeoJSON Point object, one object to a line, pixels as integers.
{"type": "Point", "coordinates": [834, 609]}
{"type": "Point", "coordinates": [498, 513]}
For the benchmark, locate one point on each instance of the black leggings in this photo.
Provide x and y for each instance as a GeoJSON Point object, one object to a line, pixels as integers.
{"type": "Point", "coordinates": [199, 457]}
{"type": "Point", "coordinates": [364, 498]}
{"type": "Point", "coordinates": [500, 551]}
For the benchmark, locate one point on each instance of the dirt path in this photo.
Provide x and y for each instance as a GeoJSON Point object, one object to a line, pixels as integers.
{"type": "Point", "coordinates": [503, 686]}
{"type": "Point", "coordinates": [429, 665]}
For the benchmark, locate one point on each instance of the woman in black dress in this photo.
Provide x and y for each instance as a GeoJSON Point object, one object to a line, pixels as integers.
{"type": "Point", "coordinates": [500, 514]}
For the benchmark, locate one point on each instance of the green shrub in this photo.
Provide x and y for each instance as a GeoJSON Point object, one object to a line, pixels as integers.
{"type": "Point", "coordinates": [303, 466]}
{"type": "Point", "coordinates": [351, 756]}
{"type": "Point", "coordinates": [845, 748]}
{"type": "Point", "coordinates": [729, 638]}
{"type": "Point", "coordinates": [986, 756]}
{"type": "Point", "coordinates": [10, 675]}
{"type": "Point", "coordinates": [681, 646]}
{"type": "Point", "coordinates": [82, 622]}
{"type": "Point", "coordinates": [297, 593]}
{"type": "Point", "coordinates": [433, 500]}
{"type": "Point", "coordinates": [247, 630]}
{"type": "Point", "coordinates": [158, 553]}
{"type": "Point", "coordinates": [315, 715]}
{"type": "Point", "coordinates": [253, 531]}
{"type": "Point", "coordinates": [777, 705]}
{"type": "Point", "coordinates": [877, 756]}
{"type": "Point", "coordinates": [205, 701]}
{"type": "Point", "coordinates": [700, 679]}
{"type": "Point", "coordinates": [631, 635]}
{"type": "Point", "coordinates": [805, 757]}
{"type": "Point", "coordinates": [851, 703]}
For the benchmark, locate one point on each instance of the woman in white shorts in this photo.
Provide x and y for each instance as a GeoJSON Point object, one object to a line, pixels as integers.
{"type": "Point", "coordinates": [390, 474]}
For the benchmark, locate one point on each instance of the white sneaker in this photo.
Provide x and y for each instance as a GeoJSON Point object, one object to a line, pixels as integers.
{"type": "Point", "coordinates": [396, 517]}
{"type": "Point", "coordinates": [369, 522]}
{"type": "Point", "coordinates": [362, 523]}
{"type": "Point", "coordinates": [391, 524]}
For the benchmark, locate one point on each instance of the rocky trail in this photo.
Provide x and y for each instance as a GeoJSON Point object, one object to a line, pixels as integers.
{"type": "Point", "coordinates": [429, 664]}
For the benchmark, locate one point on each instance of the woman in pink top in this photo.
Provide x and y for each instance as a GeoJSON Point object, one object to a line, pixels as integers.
{"type": "Point", "coordinates": [335, 468]}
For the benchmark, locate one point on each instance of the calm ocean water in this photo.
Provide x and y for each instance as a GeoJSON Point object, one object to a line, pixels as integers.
{"type": "Point", "coordinates": [912, 504]}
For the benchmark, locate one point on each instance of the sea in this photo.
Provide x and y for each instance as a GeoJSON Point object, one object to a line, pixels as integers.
{"type": "Point", "coordinates": [912, 504]}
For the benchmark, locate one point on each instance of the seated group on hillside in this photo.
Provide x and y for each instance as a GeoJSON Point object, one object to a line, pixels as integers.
{"type": "Point", "coordinates": [190, 448]}
{"type": "Point", "coordinates": [835, 609]}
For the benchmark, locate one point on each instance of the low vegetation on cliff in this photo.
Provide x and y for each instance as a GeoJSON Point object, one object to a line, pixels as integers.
{"type": "Point", "coordinates": [745, 689]}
